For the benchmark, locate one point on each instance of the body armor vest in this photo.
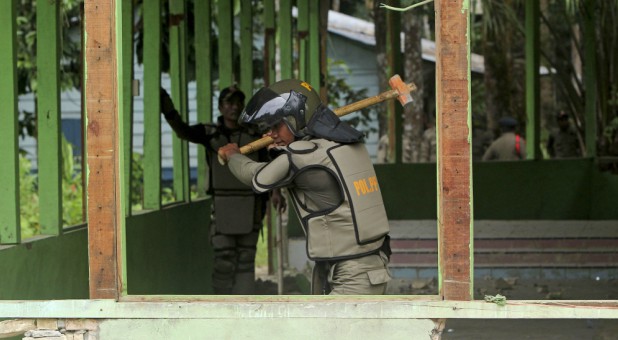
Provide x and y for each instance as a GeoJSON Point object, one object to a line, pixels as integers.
{"type": "Point", "coordinates": [358, 225]}
{"type": "Point", "coordinates": [222, 182]}
{"type": "Point", "coordinates": [236, 210]}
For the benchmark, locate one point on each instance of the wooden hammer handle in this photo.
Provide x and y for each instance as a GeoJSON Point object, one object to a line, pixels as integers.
{"type": "Point", "coordinates": [342, 111]}
{"type": "Point", "coordinates": [363, 103]}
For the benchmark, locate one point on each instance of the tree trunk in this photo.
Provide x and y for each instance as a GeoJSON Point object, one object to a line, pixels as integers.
{"type": "Point", "coordinates": [414, 115]}
{"type": "Point", "coordinates": [379, 19]}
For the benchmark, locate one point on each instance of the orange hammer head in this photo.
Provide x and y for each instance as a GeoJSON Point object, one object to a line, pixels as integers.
{"type": "Point", "coordinates": [402, 89]}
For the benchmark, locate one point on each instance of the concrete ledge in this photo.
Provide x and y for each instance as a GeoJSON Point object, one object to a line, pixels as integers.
{"type": "Point", "coordinates": [351, 307]}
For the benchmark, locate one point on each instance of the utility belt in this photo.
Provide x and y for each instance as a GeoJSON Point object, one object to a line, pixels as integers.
{"type": "Point", "coordinates": [322, 269]}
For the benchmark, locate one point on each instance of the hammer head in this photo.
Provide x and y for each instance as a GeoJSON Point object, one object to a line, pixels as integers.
{"type": "Point", "coordinates": [402, 89]}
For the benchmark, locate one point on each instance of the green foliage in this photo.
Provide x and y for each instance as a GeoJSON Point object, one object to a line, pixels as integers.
{"type": "Point", "coordinates": [28, 200]}
{"type": "Point", "coordinates": [72, 202]}
{"type": "Point", "coordinates": [341, 93]}
{"type": "Point", "coordinates": [72, 207]}
{"type": "Point", "coordinates": [498, 299]}
{"type": "Point", "coordinates": [137, 183]}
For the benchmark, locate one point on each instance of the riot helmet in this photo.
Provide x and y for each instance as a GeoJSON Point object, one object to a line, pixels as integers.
{"type": "Point", "coordinates": [292, 101]}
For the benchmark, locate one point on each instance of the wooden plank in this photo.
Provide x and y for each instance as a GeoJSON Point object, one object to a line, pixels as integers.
{"type": "Point", "coordinates": [226, 43]}
{"type": "Point", "coordinates": [314, 45]}
{"type": "Point", "coordinates": [9, 148]}
{"type": "Point", "coordinates": [246, 47]}
{"type": "Point", "coordinates": [124, 39]}
{"type": "Point", "coordinates": [533, 89]}
{"type": "Point", "coordinates": [152, 106]}
{"type": "Point", "coordinates": [203, 82]}
{"type": "Point", "coordinates": [178, 75]}
{"type": "Point", "coordinates": [269, 42]}
{"type": "Point", "coordinates": [125, 98]}
{"type": "Point", "coordinates": [48, 117]}
{"type": "Point", "coordinates": [303, 40]}
{"type": "Point", "coordinates": [103, 155]}
{"type": "Point", "coordinates": [285, 39]}
{"type": "Point", "coordinates": [454, 164]}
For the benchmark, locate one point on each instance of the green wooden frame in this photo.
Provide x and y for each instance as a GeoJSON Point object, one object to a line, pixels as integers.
{"type": "Point", "coordinates": [10, 231]}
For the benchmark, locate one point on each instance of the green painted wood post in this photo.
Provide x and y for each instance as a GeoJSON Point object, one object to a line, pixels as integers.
{"type": "Point", "coordinates": [303, 43]}
{"type": "Point", "coordinates": [203, 82]}
{"type": "Point", "coordinates": [533, 90]}
{"type": "Point", "coordinates": [246, 47]}
{"type": "Point", "coordinates": [269, 42]}
{"type": "Point", "coordinates": [285, 39]}
{"type": "Point", "coordinates": [125, 97]}
{"type": "Point", "coordinates": [178, 75]}
{"type": "Point", "coordinates": [49, 137]}
{"type": "Point", "coordinates": [152, 105]}
{"type": "Point", "coordinates": [124, 54]}
{"type": "Point", "coordinates": [314, 45]}
{"type": "Point", "coordinates": [590, 74]}
{"type": "Point", "coordinates": [225, 17]}
{"type": "Point", "coordinates": [395, 66]}
{"type": "Point", "coordinates": [9, 148]}
{"type": "Point", "coordinates": [84, 117]}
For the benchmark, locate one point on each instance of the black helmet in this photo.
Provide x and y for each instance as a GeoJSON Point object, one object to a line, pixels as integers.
{"type": "Point", "coordinates": [291, 101]}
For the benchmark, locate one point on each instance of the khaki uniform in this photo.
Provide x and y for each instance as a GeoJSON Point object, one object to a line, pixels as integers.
{"type": "Point", "coordinates": [337, 198]}
{"type": "Point", "coordinates": [563, 144]}
{"type": "Point", "coordinates": [237, 211]}
{"type": "Point", "coordinates": [506, 148]}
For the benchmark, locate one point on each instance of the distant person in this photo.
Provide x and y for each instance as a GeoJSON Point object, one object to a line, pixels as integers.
{"type": "Point", "coordinates": [481, 140]}
{"type": "Point", "coordinates": [563, 141]}
{"type": "Point", "coordinates": [382, 153]}
{"type": "Point", "coordinates": [509, 146]}
{"type": "Point", "coordinates": [428, 144]}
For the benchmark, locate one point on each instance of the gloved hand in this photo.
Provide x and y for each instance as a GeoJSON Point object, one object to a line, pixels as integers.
{"type": "Point", "coordinates": [167, 106]}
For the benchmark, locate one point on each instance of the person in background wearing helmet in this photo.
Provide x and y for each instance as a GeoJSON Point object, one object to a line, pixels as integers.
{"type": "Point", "coordinates": [332, 183]}
{"type": "Point", "coordinates": [509, 146]}
{"type": "Point", "coordinates": [237, 211]}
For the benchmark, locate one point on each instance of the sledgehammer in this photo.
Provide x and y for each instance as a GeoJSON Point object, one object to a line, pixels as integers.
{"type": "Point", "coordinates": [400, 90]}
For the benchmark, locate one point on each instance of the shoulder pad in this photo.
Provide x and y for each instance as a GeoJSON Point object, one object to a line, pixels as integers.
{"type": "Point", "coordinates": [302, 146]}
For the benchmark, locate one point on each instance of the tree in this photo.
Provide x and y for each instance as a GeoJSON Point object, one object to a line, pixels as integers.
{"type": "Point", "coordinates": [70, 63]}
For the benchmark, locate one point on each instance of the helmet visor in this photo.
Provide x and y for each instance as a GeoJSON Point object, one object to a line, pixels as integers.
{"type": "Point", "coordinates": [263, 110]}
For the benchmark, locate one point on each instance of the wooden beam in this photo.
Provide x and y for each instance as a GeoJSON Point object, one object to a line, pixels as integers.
{"type": "Point", "coordinates": [314, 44]}
{"type": "Point", "coordinates": [203, 82]}
{"type": "Point", "coordinates": [103, 151]}
{"type": "Point", "coordinates": [49, 137]}
{"type": "Point", "coordinates": [303, 43]}
{"type": "Point", "coordinates": [152, 105]}
{"type": "Point", "coordinates": [454, 149]}
{"type": "Point", "coordinates": [178, 75]}
{"type": "Point", "coordinates": [124, 46]}
{"type": "Point", "coordinates": [225, 23]}
{"type": "Point", "coordinates": [9, 148]}
{"type": "Point", "coordinates": [285, 38]}
{"type": "Point", "coordinates": [533, 89]}
{"type": "Point", "coordinates": [246, 47]}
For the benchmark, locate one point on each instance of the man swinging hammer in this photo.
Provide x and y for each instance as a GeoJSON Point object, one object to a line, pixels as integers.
{"type": "Point", "coordinates": [332, 183]}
